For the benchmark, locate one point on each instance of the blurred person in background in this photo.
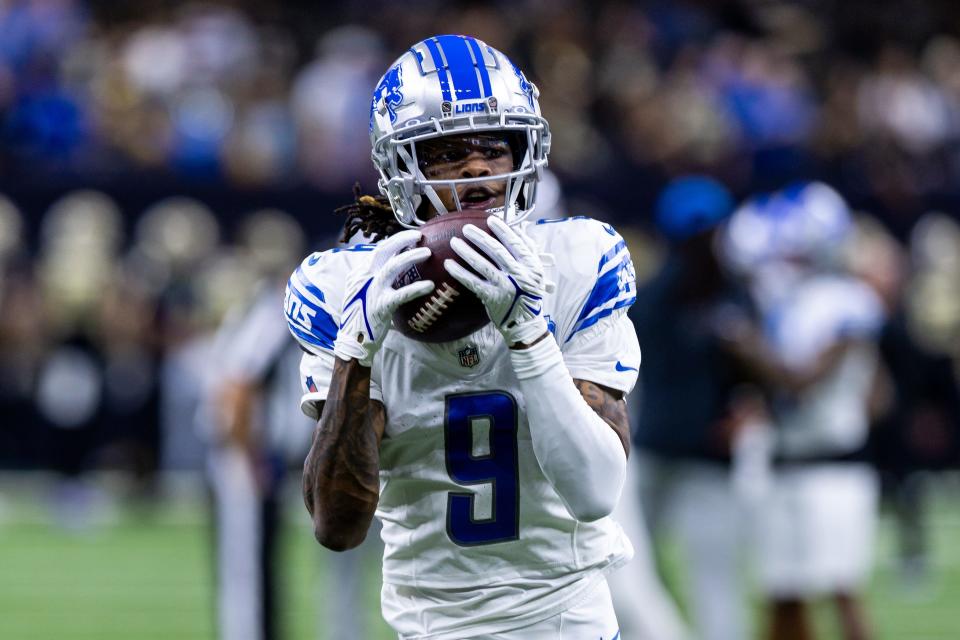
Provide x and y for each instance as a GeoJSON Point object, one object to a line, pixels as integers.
{"type": "Point", "coordinates": [645, 609]}
{"type": "Point", "coordinates": [219, 397]}
{"type": "Point", "coordinates": [252, 391]}
{"type": "Point", "coordinates": [694, 405]}
{"type": "Point", "coordinates": [255, 432]}
{"type": "Point", "coordinates": [817, 357]}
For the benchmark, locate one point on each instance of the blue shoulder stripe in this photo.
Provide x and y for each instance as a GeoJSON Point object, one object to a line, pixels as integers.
{"type": "Point", "coordinates": [315, 340]}
{"type": "Point", "coordinates": [304, 283]}
{"type": "Point", "coordinates": [614, 289]}
{"type": "Point", "coordinates": [611, 254]}
{"type": "Point", "coordinates": [594, 319]}
{"type": "Point", "coordinates": [308, 322]}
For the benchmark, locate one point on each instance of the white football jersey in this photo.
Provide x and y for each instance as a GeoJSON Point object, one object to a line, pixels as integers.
{"type": "Point", "coordinates": [831, 416]}
{"type": "Point", "coordinates": [475, 536]}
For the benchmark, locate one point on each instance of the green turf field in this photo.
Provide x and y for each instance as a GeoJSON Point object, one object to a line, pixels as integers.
{"type": "Point", "coordinates": [146, 574]}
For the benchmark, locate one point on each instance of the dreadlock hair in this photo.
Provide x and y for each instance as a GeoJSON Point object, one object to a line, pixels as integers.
{"type": "Point", "coordinates": [370, 215]}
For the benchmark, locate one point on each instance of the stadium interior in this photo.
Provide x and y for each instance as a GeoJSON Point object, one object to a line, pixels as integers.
{"type": "Point", "coordinates": [162, 163]}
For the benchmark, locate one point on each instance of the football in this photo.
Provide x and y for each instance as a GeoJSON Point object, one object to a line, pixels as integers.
{"type": "Point", "coordinates": [450, 311]}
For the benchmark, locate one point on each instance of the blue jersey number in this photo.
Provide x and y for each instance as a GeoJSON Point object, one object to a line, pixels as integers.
{"type": "Point", "coordinates": [480, 431]}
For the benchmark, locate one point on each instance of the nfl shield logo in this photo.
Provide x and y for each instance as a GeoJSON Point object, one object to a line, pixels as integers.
{"type": "Point", "coordinates": [469, 357]}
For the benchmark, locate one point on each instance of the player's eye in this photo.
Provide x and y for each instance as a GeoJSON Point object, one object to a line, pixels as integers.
{"type": "Point", "coordinates": [449, 156]}
{"type": "Point", "coordinates": [493, 153]}
{"type": "Point", "coordinates": [435, 158]}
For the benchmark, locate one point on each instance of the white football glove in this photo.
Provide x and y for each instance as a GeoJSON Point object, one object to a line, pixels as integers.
{"type": "Point", "coordinates": [512, 289]}
{"type": "Point", "coordinates": [370, 299]}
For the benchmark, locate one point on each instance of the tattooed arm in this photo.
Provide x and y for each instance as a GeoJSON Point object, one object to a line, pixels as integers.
{"type": "Point", "coordinates": [341, 473]}
{"type": "Point", "coordinates": [610, 405]}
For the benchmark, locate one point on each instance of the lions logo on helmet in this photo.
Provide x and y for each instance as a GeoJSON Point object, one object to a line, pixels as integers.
{"type": "Point", "coordinates": [454, 85]}
{"type": "Point", "coordinates": [525, 86]}
{"type": "Point", "coordinates": [388, 92]}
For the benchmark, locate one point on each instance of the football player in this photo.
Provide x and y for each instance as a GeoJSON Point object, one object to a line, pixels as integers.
{"type": "Point", "coordinates": [492, 461]}
{"type": "Point", "coordinates": [694, 413]}
{"type": "Point", "coordinates": [818, 355]}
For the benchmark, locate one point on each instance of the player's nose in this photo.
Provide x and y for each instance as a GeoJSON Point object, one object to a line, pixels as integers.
{"type": "Point", "coordinates": [476, 166]}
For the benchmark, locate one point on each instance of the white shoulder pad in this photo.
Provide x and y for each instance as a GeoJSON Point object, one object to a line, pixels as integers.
{"type": "Point", "coordinates": [593, 272]}
{"type": "Point", "coordinates": [315, 293]}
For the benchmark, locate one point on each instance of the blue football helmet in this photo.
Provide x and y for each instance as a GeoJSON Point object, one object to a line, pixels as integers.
{"type": "Point", "coordinates": [453, 85]}
{"type": "Point", "coordinates": [807, 222]}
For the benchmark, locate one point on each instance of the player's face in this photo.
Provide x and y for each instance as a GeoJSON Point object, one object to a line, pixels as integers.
{"type": "Point", "coordinates": [468, 156]}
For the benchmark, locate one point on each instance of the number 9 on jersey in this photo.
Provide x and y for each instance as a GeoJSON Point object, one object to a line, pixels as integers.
{"type": "Point", "coordinates": [490, 461]}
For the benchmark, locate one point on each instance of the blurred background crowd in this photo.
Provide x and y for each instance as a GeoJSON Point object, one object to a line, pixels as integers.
{"type": "Point", "coordinates": [162, 163]}
{"type": "Point", "coordinates": [271, 99]}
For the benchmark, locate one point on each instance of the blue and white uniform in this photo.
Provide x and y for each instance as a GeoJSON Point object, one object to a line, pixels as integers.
{"type": "Point", "coordinates": [818, 525]}
{"type": "Point", "coordinates": [477, 541]}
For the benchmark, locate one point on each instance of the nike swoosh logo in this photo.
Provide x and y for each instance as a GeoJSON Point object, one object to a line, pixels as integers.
{"type": "Point", "coordinates": [620, 367]}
